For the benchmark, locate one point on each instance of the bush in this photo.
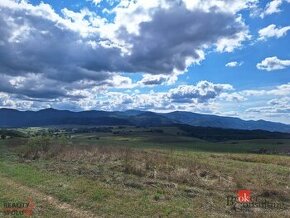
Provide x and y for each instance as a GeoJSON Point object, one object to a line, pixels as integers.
{"type": "Point", "coordinates": [42, 146]}
{"type": "Point", "coordinates": [34, 146]}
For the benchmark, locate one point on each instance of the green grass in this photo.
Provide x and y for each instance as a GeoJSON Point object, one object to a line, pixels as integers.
{"type": "Point", "coordinates": [84, 193]}
{"type": "Point", "coordinates": [193, 177]}
{"type": "Point", "coordinates": [186, 143]}
{"type": "Point", "coordinates": [12, 194]}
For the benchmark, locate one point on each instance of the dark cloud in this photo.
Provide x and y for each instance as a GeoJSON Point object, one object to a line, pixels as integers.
{"type": "Point", "coordinates": [157, 81]}
{"type": "Point", "coordinates": [36, 43]}
{"type": "Point", "coordinates": [35, 87]}
{"type": "Point", "coordinates": [173, 35]}
{"type": "Point", "coordinates": [153, 80]}
{"type": "Point", "coordinates": [45, 48]}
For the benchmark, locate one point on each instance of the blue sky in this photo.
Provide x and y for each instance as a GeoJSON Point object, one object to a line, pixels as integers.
{"type": "Point", "coordinates": [221, 57]}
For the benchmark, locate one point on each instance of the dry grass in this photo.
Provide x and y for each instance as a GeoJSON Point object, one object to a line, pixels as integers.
{"type": "Point", "coordinates": [168, 175]}
{"type": "Point", "coordinates": [147, 164]}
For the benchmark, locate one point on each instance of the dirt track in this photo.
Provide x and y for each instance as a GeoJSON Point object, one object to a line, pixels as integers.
{"type": "Point", "coordinates": [67, 208]}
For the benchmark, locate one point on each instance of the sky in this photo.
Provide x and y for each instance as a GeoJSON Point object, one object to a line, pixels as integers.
{"type": "Point", "coordinates": [222, 57]}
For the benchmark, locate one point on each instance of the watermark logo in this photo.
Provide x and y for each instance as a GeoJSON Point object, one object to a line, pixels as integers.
{"type": "Point", "coordinates": [19, 208]}
{"type": "Point", "coordinates": [244, 196]}
{"type": "Point", "coordinates": [245, 201]}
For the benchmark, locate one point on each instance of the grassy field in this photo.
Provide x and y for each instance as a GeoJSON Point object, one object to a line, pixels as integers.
{"type": "Point", "coordinates": [133, 172]}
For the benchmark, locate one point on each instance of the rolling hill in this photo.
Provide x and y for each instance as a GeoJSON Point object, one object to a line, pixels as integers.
{"type": "Point", "coordinates": [206, 120]}
{"type": "Point", "coordinates": [14, 118]}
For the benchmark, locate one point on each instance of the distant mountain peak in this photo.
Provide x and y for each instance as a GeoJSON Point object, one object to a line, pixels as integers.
{"type": "Point", "coordinates": [49, 109]}
{"type": "Point", "coordinates": [51, 116]}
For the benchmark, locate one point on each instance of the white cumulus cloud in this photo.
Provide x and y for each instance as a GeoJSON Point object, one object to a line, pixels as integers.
{"type": "Point", "coordinates": [273, 31]}
{"type": "Point", "coordinates": [203, 91]}
{"type": "Point", "coordinates": [273, 63]}
{"type": "Point", "coordinates": [272, 7]}
{"type": "Point", "coordinates": [96, 2]}
{"type": "Point", "coordinates": [234, 64]}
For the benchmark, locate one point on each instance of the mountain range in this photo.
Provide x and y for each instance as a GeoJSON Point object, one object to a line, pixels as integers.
{"type": "Point", "coordinates": [13, 118]}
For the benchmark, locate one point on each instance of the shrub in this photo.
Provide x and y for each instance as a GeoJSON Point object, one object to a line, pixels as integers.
{"type": "Point", "coordinates": [39, 146]}
{"type": "Point", "coordinates": [34, 146]}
